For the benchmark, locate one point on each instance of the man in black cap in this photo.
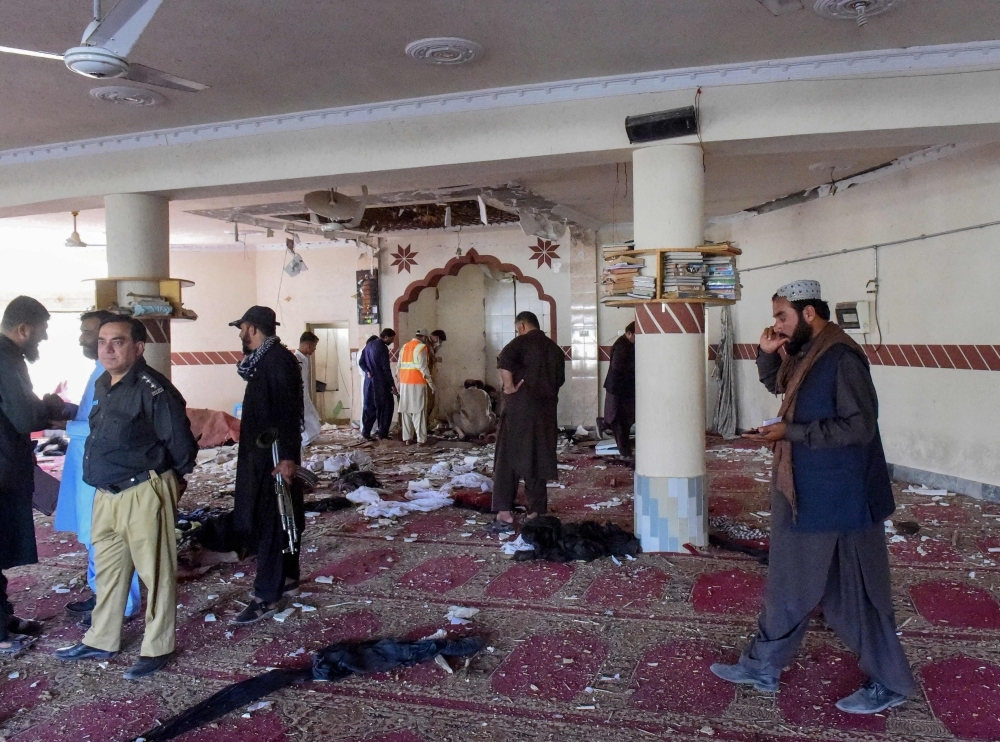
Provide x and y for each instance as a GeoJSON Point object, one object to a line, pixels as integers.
{"type": "Point", "coordinates": [272, 404]}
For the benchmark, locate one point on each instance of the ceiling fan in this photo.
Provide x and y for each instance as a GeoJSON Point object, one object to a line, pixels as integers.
{"type": "Point", "coordinates": [345, 213]}
{"type": "Point", "coordinates": [107, 42]}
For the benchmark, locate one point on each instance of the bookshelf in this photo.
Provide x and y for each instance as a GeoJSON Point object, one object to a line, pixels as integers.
{"type": "Point", "coordinates": [614, 254]}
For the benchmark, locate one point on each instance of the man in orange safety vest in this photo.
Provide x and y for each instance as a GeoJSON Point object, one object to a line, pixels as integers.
{"type": "Point", "coordinates": [415, 388]}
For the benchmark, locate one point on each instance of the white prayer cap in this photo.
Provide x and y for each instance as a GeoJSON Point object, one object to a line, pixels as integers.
{"type": "Point", "coordinates": [800, 291]}
{"type": "Point", "coordinates": [424, 332]}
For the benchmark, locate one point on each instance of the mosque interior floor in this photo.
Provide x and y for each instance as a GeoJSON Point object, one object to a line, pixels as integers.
{"type": "Point", "coordinates": [594, 651]}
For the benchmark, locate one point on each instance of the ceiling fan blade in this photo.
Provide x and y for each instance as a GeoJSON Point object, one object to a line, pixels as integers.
{"type": "Point", "coordinates": [150, 76]}
{"type": "Point", "coordinates": [123, 25]}
{"type": "Point", "coordinates": [29, 53]}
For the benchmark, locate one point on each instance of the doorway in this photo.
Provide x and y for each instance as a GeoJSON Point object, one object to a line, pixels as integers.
{"type": "Point", "coordinates": [330, 371]}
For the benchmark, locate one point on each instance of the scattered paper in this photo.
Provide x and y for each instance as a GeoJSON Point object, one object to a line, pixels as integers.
{"type": "Point", "coordinates": [209, 618]}
{"type": "Point", "coordinates": [459, 615]}
{"type": "Point", "coordinates": [324, 580]}
{"type": "Point", "coordinates": [283, 615]}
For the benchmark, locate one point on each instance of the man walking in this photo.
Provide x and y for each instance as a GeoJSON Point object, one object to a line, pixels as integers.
{"type": "Point", "coordinates": [532, 368]}
{"type": "Point", "coordinates": [311, 424]}
{"type": "Point", "coordinates": [74, 510]}
{"type": "Point", "coordinates": [619, 386]}
{"type": "Point", "coordinates": [23, 327]}
{"type": "Point", "coordinates": [139, 450]}
{"type": "Point", "coordinates": [272, 406]}
{"type": "Point", "coordinates": [830, 493]}
{"type": "Point", "coordinates": [415, 388]}
{"type": "Point", "coordinates": [380, 388]}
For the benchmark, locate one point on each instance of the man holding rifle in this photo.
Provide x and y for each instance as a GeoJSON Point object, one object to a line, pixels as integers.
{"type": "Point", "coordinates": [272, 410]}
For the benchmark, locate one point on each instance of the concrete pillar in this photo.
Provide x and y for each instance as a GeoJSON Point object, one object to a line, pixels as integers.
{"type": "Point", "coordinates": [138, 230]}
{"type": "Point", "coordinates": [671, 506]}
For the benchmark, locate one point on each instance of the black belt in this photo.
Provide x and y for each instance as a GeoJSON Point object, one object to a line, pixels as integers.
{"type": "Point", "coordinates": [128, 483]}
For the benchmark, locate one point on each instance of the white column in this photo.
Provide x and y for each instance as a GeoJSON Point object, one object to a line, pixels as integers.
{"type": "Point", "coordinates": [671, 506]}
{"type": "Point", "coordinates": [138, 229]}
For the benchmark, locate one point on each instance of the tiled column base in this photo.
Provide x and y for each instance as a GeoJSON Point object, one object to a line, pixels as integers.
{"type": "Point", "coordinates": [670, 512]}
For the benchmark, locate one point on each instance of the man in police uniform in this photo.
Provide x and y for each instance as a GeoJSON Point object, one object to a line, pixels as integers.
{"type": "Point", "coordinates": [139, 449]}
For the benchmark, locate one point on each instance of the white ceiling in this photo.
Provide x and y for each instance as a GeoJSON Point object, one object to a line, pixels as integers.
{"type": "Point", "coordinates": [266, 57]}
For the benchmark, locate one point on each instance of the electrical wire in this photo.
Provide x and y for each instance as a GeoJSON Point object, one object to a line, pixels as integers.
{"type": "Point", "coordinates": [697, 127]}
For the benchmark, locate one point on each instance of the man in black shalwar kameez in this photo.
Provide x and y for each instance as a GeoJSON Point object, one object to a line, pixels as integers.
{"type": "Point", "coordinates": [272, 402]}
{"type": "Point", "coordinates": [619, 387]}
{"type": "Point", "coordinates": [23, 327]}
{"type": "Point", "coordinates": [533, 368]}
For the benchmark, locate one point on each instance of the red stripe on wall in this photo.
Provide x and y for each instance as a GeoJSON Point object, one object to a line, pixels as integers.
{"type": "Point", "coordinates": [990, 356]}
{"type": "Point", "coordinates": [963, 357]}
{"type": "Point", "coordinates": [972, 356]}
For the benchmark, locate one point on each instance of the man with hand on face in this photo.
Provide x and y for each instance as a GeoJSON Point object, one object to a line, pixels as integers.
{"type": "Point", "coordinates": [830, 494]}
{"type": "Point", "coordinates": [23, 327]}
{"type": "Point", "coordinates": [75, 507]}
{"type": "Point", "coordinates": [138, 452]}
{"type": "Point", "coordinates": [272, 403]}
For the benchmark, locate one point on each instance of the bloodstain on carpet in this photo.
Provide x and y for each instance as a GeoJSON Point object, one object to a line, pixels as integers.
{"type": "Point", "coordinates": [727, 506]}
{"type": "Point", "coordinates": [360, 567]}
{"type": "Point", "coordinates": [628, 588]}
{"type": "Point", "coordinates": [952, 514]}
{"type": "Point", "coordinates": [924, 552]}
{"type": "Point", "coordinates": [18, 694]}
{"type": "Point", "coordinates": [815, 682]}
{"type": "Point", "coordinates": [550, 666]}
{"type": "Point", "coordinates": [401, 736]}
{"type": "Point", "coordinates": [733, 592]}
{"type": "Point", "coordinates": [731, 483]}
{"type": "Point", "coordinates": [530, 581]}
{"type": "Point", "coordinates": [107, 721]}
{"type": "Point", "coordinates": [656, 687]}
{"type": "Point", "coordinates": [956, 604]}
{"type": "Point", "coordinates": [432, 525]}
{"type": "Point", "coordinates": [260, 727]}
{"type": "Point", "coordinates": [440, 574]}
{"type": "Point", "coordinates": [964, 694]}
{"type": "Point", "coordinates": [350, 627]}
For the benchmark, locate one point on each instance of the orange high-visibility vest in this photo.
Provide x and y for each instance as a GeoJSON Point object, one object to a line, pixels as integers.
{"type": "Point", "coordinates": [409, 369]}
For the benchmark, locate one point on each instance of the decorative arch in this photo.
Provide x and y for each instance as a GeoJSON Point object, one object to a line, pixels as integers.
{"type": "Point", "coordinates": [452, 267]}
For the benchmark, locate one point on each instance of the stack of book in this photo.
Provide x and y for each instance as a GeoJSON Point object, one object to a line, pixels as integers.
{"type": "Point", "coordinates": [643, 287]}
{"type": "Point", "coordinates": [618, 275]}
{"type": "Point", "coordinates": [721, 278]}
{"type": "Point", "coordinates": [683, 275]}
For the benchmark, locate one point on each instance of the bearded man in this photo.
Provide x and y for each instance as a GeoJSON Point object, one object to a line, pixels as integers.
{"type": "Point", "coordinates": [830, 493]}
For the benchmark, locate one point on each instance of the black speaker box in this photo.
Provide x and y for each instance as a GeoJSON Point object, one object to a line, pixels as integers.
{"type": "Point", "coordinates": [649, 127]}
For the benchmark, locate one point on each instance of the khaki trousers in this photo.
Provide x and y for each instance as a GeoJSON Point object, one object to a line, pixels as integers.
{"type": "Point", "coordinates": [135, 529]}
{"type": "Point", "coordinates": [414, 423]}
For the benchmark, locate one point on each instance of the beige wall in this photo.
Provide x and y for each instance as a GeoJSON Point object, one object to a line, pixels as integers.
{"type": "Point", "coordinates": [941, 290]}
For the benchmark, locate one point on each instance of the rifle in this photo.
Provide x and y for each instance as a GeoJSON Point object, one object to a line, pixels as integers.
{"type": "Point", "coordinates": [269, 439]}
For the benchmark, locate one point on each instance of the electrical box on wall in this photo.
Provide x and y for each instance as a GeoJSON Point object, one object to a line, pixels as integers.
{"type": "Point", "coordinates": [854, 316]}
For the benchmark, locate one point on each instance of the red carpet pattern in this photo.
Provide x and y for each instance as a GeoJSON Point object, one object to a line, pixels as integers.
{"type": "Point", "coordinates": [583, 651]}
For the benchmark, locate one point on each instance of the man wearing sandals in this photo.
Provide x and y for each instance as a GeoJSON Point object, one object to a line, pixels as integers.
{"type": "Point", "coordinates": [24, 325]}
{"type": "Point", "coordinates": [532, 368]}
{"type": "Point", "coordinates": [272, 401]}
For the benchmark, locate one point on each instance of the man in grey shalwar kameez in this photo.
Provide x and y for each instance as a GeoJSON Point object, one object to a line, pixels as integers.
{"type": "Point", "coordinates": [830, 493]}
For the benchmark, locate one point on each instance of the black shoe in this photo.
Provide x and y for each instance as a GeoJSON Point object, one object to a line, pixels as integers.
{"type": "Point", "coordinates": [256, 611]}
{"type": "Point", "coordinates": [82, 652]}
{"type": "Point", "coordinates": [147, 666]}
{"type": "Point", "coordinates": [82, 606]}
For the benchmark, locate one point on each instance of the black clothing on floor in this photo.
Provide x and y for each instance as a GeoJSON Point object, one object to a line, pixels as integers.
{"type": "Point", "coordinates": [379, 402]}
{"type": "Point", "coordinates": [138, 425]}
{"type": "Point", "coordinates": [528, 430]}
{"type": "Point", "coordinates": [272, 401]}
{"type": "Point", "coordinates": [328, 505]}
{"type": "Point", "coordinates": [336, 662]}
{"type": "Point", "coordinates": [21, 414]}
{"type": "Point", "coordinates": [554, 541]}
